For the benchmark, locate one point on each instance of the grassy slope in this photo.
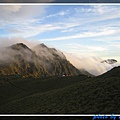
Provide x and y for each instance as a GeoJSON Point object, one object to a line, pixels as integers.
{"type": "Point", "coordinates": [14, 89]}
{"type": "Point", "coordinates": [93, 95]}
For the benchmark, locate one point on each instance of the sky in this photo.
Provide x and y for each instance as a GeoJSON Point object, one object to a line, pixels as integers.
{"type": "Point", "coordinates": [60, 1]}
{"type": "Point", "coordinates": [85, 30]}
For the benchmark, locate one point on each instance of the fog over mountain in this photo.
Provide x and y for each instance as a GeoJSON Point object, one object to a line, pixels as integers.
{"type": "Point", "coordinates": [54, 60]}
{"type": "Point", "coordinates": [41, 60]}
{"type": "Point", "coordinates": [5, 42]}
{"type": "Point", "coordinates": [51, 59]}
{"type": "Point", "coordinates": [20, 59]}
{"type": "Point", "coordinates": [93, 65]}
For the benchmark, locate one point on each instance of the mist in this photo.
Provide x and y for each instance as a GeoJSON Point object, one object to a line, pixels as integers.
{"type": "Point", "coordinates": [44, 52]}
{"type": "Point", "coordinates": [5, 42]}
{"type": "Point", "coordinates": [91, 64]}
{"type": "Point", "coordinates": [10, 52]}
{"type": "Point", "coordinates": [8, 55]}
{"type": "Point", "coordinates": [47, 53]}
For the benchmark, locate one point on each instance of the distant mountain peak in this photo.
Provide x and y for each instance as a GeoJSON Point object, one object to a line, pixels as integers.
{"type": "Point", "coordinates": [109, 61]}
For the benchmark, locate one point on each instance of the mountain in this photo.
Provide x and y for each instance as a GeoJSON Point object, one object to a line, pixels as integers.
{"type": "Point", "coordinates": [62, 95]}
{"type": "Point", "coordinates": [85, 72]}
{"type": "Point", "coordinates": [115, 72]}
{"type": "Point", "coordinates": [20, 59]}
{"type": "Point", "coordinates": [93, 65]}
{"type": "Point", "coordinates": [109, 61]}
{"type": "Point", "coordinates": [54, 60]}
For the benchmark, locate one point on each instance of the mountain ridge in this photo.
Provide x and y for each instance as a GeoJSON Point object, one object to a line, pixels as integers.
{"type": "Point", "coordinates": [109, 61]}
{"type": "Point", "coordinates": [38, 61]}
{"type": "Point", "coordinates": [61, 95]}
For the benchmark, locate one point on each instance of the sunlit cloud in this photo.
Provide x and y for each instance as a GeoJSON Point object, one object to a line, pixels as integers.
{"type": "Point", "coordinates": [92, 64]}
{"type": "Point", "coordinates": [88, 34]}
{"type": "Point", "coordinates": [91, 27]}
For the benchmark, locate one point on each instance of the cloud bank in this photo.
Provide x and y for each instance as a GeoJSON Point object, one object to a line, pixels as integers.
{"type": "Point", "coordinates": [92, 64]}
{"type": "Point", "coordinates": [4, 42]}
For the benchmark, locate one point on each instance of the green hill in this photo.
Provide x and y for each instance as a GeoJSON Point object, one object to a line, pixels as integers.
{"type": "Point", "coordinates": [62, 95]}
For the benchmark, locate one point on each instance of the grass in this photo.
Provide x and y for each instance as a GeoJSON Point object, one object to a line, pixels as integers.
{"type": "Point", "coordinates": [62, 95]}
{"type": "Point", "coordinates": [16, 88]}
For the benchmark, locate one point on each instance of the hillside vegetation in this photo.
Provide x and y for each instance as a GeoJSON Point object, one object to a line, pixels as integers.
{"type": "Point", "coordinates": [62, 95]}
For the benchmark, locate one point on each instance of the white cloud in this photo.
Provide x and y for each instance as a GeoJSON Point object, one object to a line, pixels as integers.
{"type": "Point", "coordinates": [67, 30]}
{"type": "Point", "coordinates": [25, 21]}
{"type": "Point", "coordinates": [97, 9]}
{"type": "Point", "coordinates": [58, 14]}
{"type": "Point", "coordinates": [4, 42]}
{"type": "Point", "coordinates": [103, 32]}
{"type": "Point", "coordinates": [92, 64]}
{"type": "Point", "coordinates": [101, 9]}
{"type": "Point", "coordinates": [96, 13]}
{"type": "Point", "coordinates": [88, 48]}
{"type": "Point", "coordinates": [9, 9]}
{"type": "Point", "coordinates": [22, 19]}
{"type": "Point", "coordinates": [31, 29]}
{"type": "Point", "coordinates": [14, 13]}
{"type": "Point", "coordinates": [114, 44]}
{"type": "Point", "coordinates": [105, 50]}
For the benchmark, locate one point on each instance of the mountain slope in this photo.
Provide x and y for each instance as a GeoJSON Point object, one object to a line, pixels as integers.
{"type": "Point", "coordinates": [115, 72]}
{"type": "Point", "coordinates": [54, 61]}
{"type": "Point", "coordinates": [94, 65]}
{"type": "Point", "coordinates": [84, 72]}
{"type": "Point", "coordinates": [19, 59]}
{"type": "Point", "coordinates": [94, 95]}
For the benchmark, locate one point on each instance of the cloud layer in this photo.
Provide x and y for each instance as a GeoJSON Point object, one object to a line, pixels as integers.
{"type": "Point", "coordinates": [92, 64]}
{"type": "Point", "coordinates": [84, 29]}
{"type": "Point", "coordinates": [10, 41]}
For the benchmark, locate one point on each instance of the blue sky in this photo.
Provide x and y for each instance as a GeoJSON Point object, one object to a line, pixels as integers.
{"type": "Point", "coordinates": [88, 30]}
{"type": "Point", "coordinates": [60, 1]}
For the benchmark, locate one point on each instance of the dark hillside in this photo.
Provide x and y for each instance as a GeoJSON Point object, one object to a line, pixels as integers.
{"type": "Point", "coordinates": [115, 72]}
{"type": "Point", "coordinates": [93, 95]}
{"type": "Point", "coordinates": [12, 88]}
